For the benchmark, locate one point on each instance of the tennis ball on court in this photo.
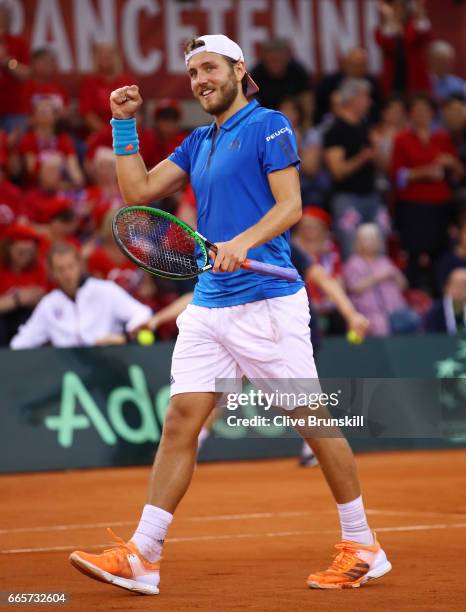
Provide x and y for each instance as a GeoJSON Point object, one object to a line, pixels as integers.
{"type": "Point", "coordinates": [353, 337]}
{"type": "Point", "coordinates": [145, 337]}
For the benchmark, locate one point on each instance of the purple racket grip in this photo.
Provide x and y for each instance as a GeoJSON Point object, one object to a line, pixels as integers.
{"type": "Point", "coordinates": [289, 274]}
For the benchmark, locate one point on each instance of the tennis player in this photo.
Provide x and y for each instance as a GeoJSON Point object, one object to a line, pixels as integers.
{"type": "Point", "coordinates": [243, 168]}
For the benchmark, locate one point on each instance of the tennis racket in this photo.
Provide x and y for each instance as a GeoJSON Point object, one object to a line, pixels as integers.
{"type": "Point", "coordinates": [162, 244]}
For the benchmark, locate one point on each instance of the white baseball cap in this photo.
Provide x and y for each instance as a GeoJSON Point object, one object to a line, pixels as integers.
{"type": "Point", "coordinates": [219, 43]}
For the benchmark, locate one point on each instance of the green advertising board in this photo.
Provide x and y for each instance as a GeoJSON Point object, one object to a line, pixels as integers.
{"type": "Point", "coordinates": [105, 406]}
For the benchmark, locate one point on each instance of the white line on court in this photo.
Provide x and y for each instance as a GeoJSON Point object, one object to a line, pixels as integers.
{"type": "Point", "coordinates": [236, 536]}
{"type": "Point", "coordinates": [224, 517]}
{"type": "Point", "coordinates": [417, 513]}
{"type": "Point", "coordinates": [189, 519]}
{"type": "Point", "coordinates": [66, 527]}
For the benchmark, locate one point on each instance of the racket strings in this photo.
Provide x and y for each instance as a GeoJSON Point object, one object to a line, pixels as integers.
{"type": "Point", "coordinates": [159, 243]}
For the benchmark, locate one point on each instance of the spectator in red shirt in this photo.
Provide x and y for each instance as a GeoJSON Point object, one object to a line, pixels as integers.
{"type": "Point", "coordinates": [14, 60]}
{"type": "Point", "coordinates": [422, 164]}
{"type": "Point", "coordinates": [23, 279]}
{"type": "Point", "coordinates": [4, 150]}
{"type": "Point", "coordinates": [40, 199]}
{"type": "Point", "coordinates": [10, 163]}
{"type": "Point", "coordinates": [108, 262]}
{"type": "Point", "coordinates": [42, 83]}
{"type": "Point", "coordinates": [60, 224]}
{"type": "Point", "coordinates": [10, 199]}
{"type": "Point", "coordinates": [96, 140]}
{"type": "Point", "coordinates": [103, 194]}
{"type": "Point", "coordinates": [403, 36]}
{"type": "Point", "coordinates": [97, 87]}
{"type": "Point", "coordinates": [167, 133]}
{"type": "Point", "coordinates": [43, 139]}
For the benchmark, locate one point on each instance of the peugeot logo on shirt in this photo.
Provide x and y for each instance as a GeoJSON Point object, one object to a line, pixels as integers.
{"type": "Point", "coordinates": [277, 133]}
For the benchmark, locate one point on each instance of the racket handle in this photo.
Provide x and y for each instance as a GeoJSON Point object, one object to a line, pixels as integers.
{"type": "Point", "coordinates": [289, 274]}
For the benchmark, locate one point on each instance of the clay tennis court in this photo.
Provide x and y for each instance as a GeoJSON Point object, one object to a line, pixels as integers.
{"type": "Point", "coordinates": [246, 535]}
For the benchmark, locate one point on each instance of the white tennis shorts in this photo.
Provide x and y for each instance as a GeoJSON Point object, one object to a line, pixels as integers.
{"type": "Point", "coordinates": [267, 339]}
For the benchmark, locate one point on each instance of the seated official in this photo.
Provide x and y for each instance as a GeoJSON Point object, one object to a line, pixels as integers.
{"type": "Point", "coordinates": [81, 311]}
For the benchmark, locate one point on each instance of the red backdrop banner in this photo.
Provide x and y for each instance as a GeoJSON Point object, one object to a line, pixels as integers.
{"type": "Point", "coordinates": [150, 33]}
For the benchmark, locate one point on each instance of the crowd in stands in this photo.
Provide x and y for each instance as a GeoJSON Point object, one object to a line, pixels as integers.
{"type": "Point", "coordinates": [382, 176]}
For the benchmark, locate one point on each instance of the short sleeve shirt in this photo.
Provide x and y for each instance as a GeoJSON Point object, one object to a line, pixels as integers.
{"type": "Point", "coordinates": [228, 168]}
{"type": "Point", "coordinates": [32, 143]}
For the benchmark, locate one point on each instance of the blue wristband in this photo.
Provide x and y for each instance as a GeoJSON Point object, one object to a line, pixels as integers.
{"type": "Point", "coordinates": [125, 136]}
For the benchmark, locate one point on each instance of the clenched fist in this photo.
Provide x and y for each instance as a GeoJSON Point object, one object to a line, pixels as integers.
{"type": "Point", "coordinates": [125, 101]}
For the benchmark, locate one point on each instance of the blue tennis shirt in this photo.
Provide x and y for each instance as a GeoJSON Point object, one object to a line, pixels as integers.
{"type": "Point", "coordinates": [228, 168]}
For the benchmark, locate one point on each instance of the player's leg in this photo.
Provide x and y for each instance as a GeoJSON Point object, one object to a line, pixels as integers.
{"type": "Point", "coordinates": [176, 456]}
{"type": "Point", "coordinates": [338, 465]}
{"type": "Point", "coordinates": [135, 565]}
{"type": "Point", "coordinates": [280, 350]}
{"type": "Point", "coordinates": [360, 557]}
{"type": "Point", "coordinates": [198, 359]}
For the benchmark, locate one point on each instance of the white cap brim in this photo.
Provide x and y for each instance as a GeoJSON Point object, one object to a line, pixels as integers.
{"type": "Point", "coordinates": [221, 44]}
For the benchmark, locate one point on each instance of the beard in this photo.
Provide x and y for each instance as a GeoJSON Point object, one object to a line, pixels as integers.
{"type": "Point", "coordinates": [227, 94]}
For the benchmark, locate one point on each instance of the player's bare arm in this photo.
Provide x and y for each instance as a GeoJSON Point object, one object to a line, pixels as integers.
{"type": "Point", "coordinates": [286, 212]}
{"type": "Point", "coordinates": [138, 185]}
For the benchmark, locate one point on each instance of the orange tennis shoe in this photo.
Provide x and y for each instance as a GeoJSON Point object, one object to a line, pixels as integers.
{"type": "Point", "coordinates": [122, 565]}
{"type": "Point", "coordinates": [353, 565]}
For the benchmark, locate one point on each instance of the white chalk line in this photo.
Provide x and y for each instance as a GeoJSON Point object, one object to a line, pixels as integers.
{"type": "Point", "coordinates": [236, 536]}
{"type": "Point", "coordinates": [190, 519]}
{"type": "Point", "coordinates": [223, 517]}
{"type": "Point", "coordinates": [417, 513]}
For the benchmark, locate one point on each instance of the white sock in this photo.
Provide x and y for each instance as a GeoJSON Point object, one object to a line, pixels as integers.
{"type": "Point", "coordinates": [353, 522]}
{"type": "Point", "coordinates": [202, 437]}
{"type": "Point", "coordinates": [151, 531]}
